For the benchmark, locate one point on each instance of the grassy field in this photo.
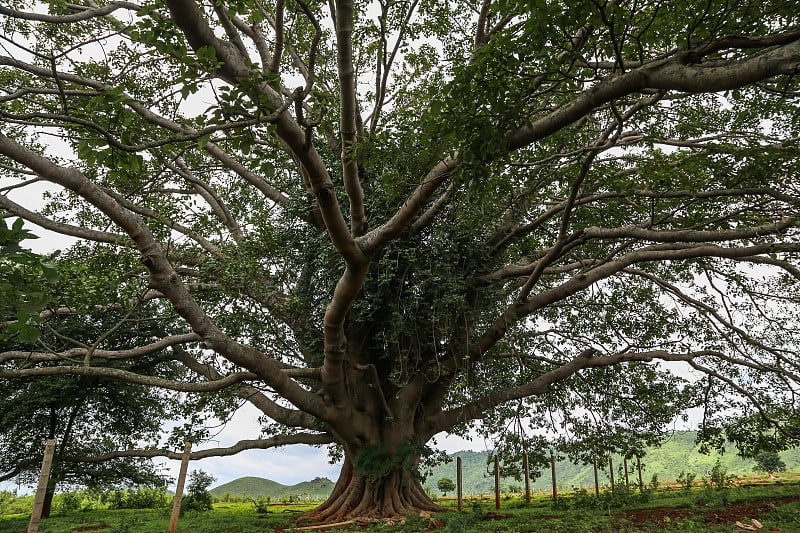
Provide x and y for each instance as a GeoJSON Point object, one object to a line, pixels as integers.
{"type": "Point", "coordinates": [773, 503]}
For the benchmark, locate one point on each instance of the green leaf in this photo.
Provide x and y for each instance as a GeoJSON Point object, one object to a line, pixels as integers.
{"type": "Point", "coordinates": [203, 140]}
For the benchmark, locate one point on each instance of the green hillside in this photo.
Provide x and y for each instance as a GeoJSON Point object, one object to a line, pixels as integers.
{"type": "Point", "coordinates": [254, 487]}
{"type": "Point", "coordinates": [679, 453]}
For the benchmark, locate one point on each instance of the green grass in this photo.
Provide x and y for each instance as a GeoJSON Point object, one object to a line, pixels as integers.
{"type": "Point", "coordinates": [225, 517]}
{"type": "Point", "coordinates": [572, 514]}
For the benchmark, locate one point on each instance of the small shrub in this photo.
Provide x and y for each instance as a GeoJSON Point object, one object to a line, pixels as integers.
{"type": "Point", "coordinates": [622, 496]}
{"type": "Point", "coordinates": [140, 498]}
{"type": "Point", "coordinates": [10, 503]}
{"type": "Point", "coordinates": [147, 498]}
{"type": "Point", "coordinates": [581, 499]}
{"type": "Point", "coordinates": [261, 504]}
{"type": "Point", "coordinates": [463, 522]}
{"type": "Point", "coordinates": [68, 502]}
{"type": "Point", "coordinates": [6, 499]}
{"type": "Point", "coordinates": [719, 477]}
{"type": "Point", "coordinates": [686, 480]}
{"type": "Point", "coordinates": [115, 499]}
{"type": "Point", "coordinates": [90, 501]}
{"type": "Point", "coordinates": [716, 487]}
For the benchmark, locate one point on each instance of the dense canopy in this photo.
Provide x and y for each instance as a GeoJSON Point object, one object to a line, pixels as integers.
{"type": "Point", "coordinates": [378, 221]}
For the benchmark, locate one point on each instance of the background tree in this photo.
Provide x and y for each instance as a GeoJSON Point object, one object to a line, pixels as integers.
{"type": "Point", "coordinates": [445, 485]}
{"type": "Point", "coordinates": [87, 415]}
{"type": "Point", "coordinates": [769, 462]}
{"type": "Point", "coordinates": [379, 221]}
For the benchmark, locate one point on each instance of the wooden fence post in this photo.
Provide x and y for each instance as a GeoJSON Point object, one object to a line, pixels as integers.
{"type": "Point", "coordinates": [496, 482]}
{"type": "Point", "coordinates": [553, 475]}
{"type": "Point", "coordinates": [176, 502]}
{"type": "Point", "coordinates": [596, 479]}
{"type": "Point", "coordinates": [41, 489]}
{"type": "Point", "coordinates": [527, 468]}
{"type": "Point", "coordinates": [625, 463]}
{"type": "Point", "coordinates": [611, 470]}
{"type": "Point", "coordinates": [459, 484]}
{"type": "Point", "coordinates": [639, 466]}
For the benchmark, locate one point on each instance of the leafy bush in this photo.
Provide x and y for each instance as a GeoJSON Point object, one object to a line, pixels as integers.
{"type": "Point", "coordinates": [716, 487]}
{"type": "Point", "coordinates": [463, 522]}
{"type": "Point", "coordinates": [686, 480]}
{"type": "Point", "coordinates": [10, 503]}
{"type": "Point", "coordinates": [140, 498]}
{"type": "Point", "coordinates": [198, 499]}
{"type": "Point", "coordinates": [68, 502]}
{"type": "Point", "coordinates": [719, 478]}
{"type": "Point", "coordinates": [261, 504]}
{"type": "Point", "coordinates": [581, 499]}
{"type": "Point", "coordinates": [622, 496]}
{"type": "Point", "coordinates": [149, 498]}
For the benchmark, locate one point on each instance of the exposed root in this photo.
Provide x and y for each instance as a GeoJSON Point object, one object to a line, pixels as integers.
{"type": "Point", "coordinates": [356, 498]}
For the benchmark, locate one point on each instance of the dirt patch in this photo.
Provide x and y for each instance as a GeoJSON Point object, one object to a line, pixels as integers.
{"type": "Point", "coordinates": [740, 511]}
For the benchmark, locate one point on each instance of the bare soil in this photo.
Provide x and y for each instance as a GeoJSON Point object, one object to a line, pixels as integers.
{"type": "Point", "coordinates": [742, 512]}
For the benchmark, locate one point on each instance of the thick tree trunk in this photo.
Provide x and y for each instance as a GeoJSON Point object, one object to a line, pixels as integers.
{"type": "Point", "coordinates": [356, 496]}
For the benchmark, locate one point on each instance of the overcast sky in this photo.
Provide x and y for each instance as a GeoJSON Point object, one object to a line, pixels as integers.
{"type": "Point", "coordinates": [287, 465]}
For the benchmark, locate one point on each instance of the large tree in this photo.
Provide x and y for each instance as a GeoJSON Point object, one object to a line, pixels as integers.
{"type": "Point", "coordinates": [87, 415]}
{"type": "Point", "coordinates": [379, 221]}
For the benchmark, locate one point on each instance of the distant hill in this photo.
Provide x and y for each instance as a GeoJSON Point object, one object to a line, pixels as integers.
{"type": "Point", "coordinates": [253, 487]}
{"type": "Point", "coordinates": [678, 453]}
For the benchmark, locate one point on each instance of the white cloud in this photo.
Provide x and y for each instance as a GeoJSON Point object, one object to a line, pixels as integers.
{"type": "Point", "coordinates": [287, 465]}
